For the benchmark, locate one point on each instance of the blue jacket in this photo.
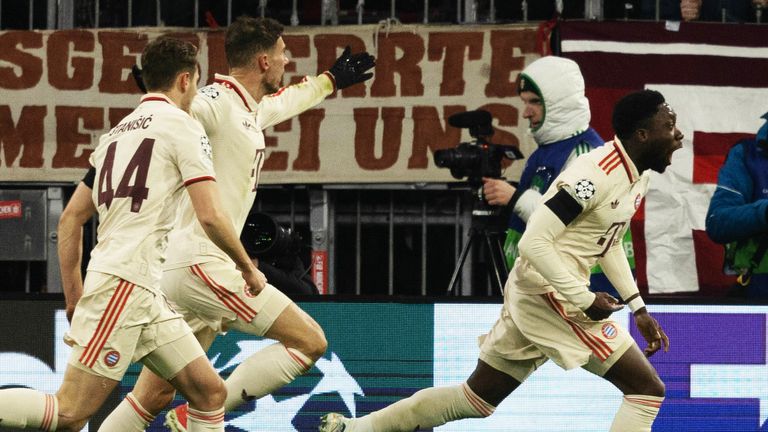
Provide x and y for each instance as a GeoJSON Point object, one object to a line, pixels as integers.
{"type": "Point", "coordinates": [738, 212]}
{"type": "Point", "coordinates": [738, 207]}
{"type": "Point", "coordinates": [547, 161]}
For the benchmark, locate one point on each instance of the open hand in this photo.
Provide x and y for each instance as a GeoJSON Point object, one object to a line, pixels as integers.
{"type": "Point", "coordinates": [351, 68]}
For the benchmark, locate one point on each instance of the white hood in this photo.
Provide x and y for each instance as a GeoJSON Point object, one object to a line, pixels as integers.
{"type": "Point", "coordinates": [566, 109]}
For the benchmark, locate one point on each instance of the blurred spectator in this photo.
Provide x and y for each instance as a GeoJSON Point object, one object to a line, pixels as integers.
{"type": "Point", "coordinates": [738, 213]}
{"type": "Point", "coordinates": [686, 10]}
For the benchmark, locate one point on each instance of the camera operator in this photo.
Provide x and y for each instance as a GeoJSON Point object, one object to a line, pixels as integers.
{"type": "Point", "coordinates": [276, 252]}
{"type": "Point", "coordinates": [552, 91]}
{"type": "Point", "coordinates": [738, 214]}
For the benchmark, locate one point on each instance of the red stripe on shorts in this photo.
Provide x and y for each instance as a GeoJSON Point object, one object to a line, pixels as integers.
{"type": "Point", "coordinates": [230, 299]}
{"type": "Point", "coordinates": [107, 323]}
{"type": "Point", "coordinates": [597, 346]}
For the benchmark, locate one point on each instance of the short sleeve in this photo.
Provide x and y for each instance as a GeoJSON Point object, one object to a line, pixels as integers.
{"type": "Point", "coordinates": [194, 155]}
{"type": "Point", "coordinates": [206, 107]}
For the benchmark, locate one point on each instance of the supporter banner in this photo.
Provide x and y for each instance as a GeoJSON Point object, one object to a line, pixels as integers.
{"type": "Point", "coordinates": [379, 353]}
{"type": "Point", "coordinates": [62, 89]}
{"type": "Point", "coordinates": [713, 75]}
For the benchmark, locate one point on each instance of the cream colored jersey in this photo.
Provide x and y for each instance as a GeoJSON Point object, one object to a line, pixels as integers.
{"type": "Point", "coordinates": [607, 191]}
{"type": "Point", "coordinates": [234, 122]}
{"type": "Point", "coordinates": [142, 166]}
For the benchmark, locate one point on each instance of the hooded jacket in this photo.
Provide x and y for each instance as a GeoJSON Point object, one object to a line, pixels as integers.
{"type": "Point", "coordinates": [561, 88]}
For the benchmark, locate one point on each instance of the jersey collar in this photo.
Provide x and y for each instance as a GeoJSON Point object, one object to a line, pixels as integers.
{"type": "Point", "coordinates": [629, 167]}
{"type": "Point", "coordinates": [156, 97]}
{"type": "Point", "coordinates": [231, 83]}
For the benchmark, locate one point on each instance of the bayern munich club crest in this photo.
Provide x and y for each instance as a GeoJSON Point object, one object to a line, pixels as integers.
{"type": "Point", "coordinates": [609, 330]}
{"type": "Point", "coordinates": [111, 358]}
{"type": "Point", "coordinates": [585, 189]}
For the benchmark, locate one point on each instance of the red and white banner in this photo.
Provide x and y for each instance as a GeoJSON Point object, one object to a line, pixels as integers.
{"type": "Point", "coordinates": [715, 76]}
{"type": "Point", "coordinates": [60, 90]}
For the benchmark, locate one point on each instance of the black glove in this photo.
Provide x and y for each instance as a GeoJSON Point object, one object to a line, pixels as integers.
{"type": "Point", "coordinates": [136, 72]}
{"type": "Point", "coordinates": [350, 68]}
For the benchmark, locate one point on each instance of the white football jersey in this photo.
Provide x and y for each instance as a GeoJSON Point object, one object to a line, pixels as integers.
{"type": "Point", "coordinates": [234, 122]}
{"type": "Point", "coordinates": [606, 184]}
{"type": "Point", "coordinates": [142, 166]}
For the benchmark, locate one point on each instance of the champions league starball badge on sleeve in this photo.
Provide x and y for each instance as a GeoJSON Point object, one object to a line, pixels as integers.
{"type": "Point", "coordinates": [585, 189]}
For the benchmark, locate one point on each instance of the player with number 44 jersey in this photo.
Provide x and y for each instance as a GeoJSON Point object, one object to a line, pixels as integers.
{"type": "Point", "coordinates": [157, 147]}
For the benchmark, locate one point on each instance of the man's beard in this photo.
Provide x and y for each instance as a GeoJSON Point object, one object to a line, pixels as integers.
{"type": "Point", "coordinates": [270, 88]}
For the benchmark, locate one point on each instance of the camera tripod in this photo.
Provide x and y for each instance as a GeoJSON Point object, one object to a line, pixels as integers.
{"type": "Point", "coordinates": [484, 229]}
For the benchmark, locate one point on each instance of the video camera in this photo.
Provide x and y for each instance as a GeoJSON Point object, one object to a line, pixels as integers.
{"type": "Point", "coordinates": [479, 158]}
{"type": "Point", "coordinates": [263, 237]}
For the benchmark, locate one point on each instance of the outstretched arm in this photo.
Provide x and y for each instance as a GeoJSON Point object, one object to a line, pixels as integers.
{"type": "Point", "coordinates": [349, 69]}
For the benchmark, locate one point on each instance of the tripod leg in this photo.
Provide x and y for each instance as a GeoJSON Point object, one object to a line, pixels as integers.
{"type": "Point", "coordinates": [460, 263]}
{"type": "Point", "coordinates": [499, 272]}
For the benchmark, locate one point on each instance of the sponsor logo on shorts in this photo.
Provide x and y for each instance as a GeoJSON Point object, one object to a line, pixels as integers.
{"type": "Point", "coordinates": [111, 358]}
{"type": "Point", "coordinates": [609, 330]}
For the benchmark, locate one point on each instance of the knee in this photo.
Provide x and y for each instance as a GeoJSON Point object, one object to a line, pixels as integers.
{"type": "Point", "coordinates": [313, 344]}
{"type": "Point", "coordinates": [209, 398]}
{"type": "Point", "coordinates": [218, 394]}
{"type": "Point", "coordinates": [318, 346]}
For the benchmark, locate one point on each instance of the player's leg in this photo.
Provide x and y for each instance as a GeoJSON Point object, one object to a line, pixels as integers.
{"type": "Point", "coordinates": [150, 395]}
{"type": "Point", "coordinates": [81, 394]}
{"type": "Point", "coordinates": [212, 295]}
{"type": "Point", "coordinates": [300, 342]}
{"type": "Point", "coordinates": [431, 407]}
{"type": "Point", "coordinates": [184, 364]}
{"type": "Point", "coordinates": [643, 391]}
{"type": "Point", "coordinates": [507, 358]}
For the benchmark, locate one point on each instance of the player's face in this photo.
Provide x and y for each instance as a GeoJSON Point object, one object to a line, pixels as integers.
{"type": "Point", "coordinates": [533, 109]}
{"type": "Point", "coordinates": [277, 60]}
{"type": "Point", "coordinates": [663, 139]}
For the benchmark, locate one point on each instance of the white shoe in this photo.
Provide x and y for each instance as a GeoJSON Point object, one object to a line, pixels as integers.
{"type": "Point", "coordinates": [333, 422]}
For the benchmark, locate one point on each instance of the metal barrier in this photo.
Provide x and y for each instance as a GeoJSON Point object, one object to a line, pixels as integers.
{"type": "Point", "coordinates": [89, 13]}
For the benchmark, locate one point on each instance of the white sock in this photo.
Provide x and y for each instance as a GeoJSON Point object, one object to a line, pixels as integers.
{"type": "Point", "coordinates": [636, 413]}
{"type": "Point", "coordinates": [425, 409]}
{"type": "Point", "coordinates": [129, 416]}
{"type": "Point", "coordinates": [199, 421]}
{"type": "Point", "coordinates": [264, 372]}
{"type": "Point", "coordinates": [27, 408]}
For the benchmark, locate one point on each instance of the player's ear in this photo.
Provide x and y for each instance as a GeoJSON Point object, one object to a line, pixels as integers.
{"type": "Point", "coordinates": [641, 134]}
{"type": "Point", "coordinates": [263, 61]}
{"type": "Point", "coordinates": [183, 81]}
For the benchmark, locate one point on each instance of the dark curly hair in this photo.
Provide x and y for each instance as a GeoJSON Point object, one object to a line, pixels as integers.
{"type": "Point", "coordinates": [634, 111]}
